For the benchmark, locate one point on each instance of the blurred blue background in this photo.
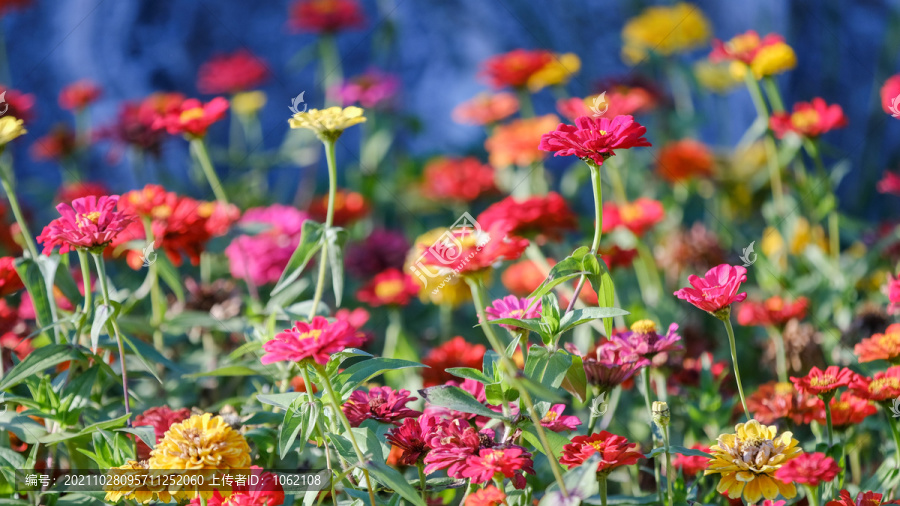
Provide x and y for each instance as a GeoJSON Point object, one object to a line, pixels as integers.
{"type": "Point", "coordinates": [135, 47]}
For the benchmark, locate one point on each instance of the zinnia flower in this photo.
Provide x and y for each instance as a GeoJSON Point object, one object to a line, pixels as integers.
{"type": "Point", "coordinates": [514, 68]}
{"type": "Point", "coordinates": [316, 340]}
{"type": "Point", "coordinates": [809, 119]}
{"type": "Point", "coordinates": [380, 251]}
{"type": "Point", "coordinates": [328, 124]}
{"type": "Point", "coordinates": [890, 96]}
{"type": "Point", "coordinates": [456, 352]}
{"type": "Point", "coordinates": [486, 108]}
{"type": "Point", "coordinates": [683, 159]}
{"type": "Point", "coordinates": [78, 95]}
{"type": "Point", "coordinates": [517, 142]}
{"type": "Point", "coordinates": [614, 451]}
{"type": "Point", "coordinates": [348, 207]}
{"type": "Point", "coordinates": [809, 469]}
{"type": "Point", "coordinates": [10, 128]}
{"type": "Point", "coordinates": [544, 217]}
{"type": "Point", "coordinates": [884, 346]}
{"type": "Point", "coordinates": [487, 496]}
{"type": "Point", "coordinates": [371, 89]}
{"type": "Point", "coordinates": [892, 289]}
{"type": "Point", "coordinates": [326, 16]}
{"type": "Point", "coordinates": [638, 216]}
{"type": "Point", "coordinates": [391, 287]}
{"type": "Point", "coordinates": [772, 311]}
{"type": "Point", "coordinates": [594, 138]}
{"type": "Point", "coordinates": [382, 404]}
{"type": "Point", "coordinates": [262, 258]}
{"type": "Point", "coordinates": [513, 307]}
{"type": "Point", "coordinates": [664, 30]}
{"type": "Point", "coordinates": [557, 422]}
{"type": "Point", "coordinates": [717, 291]}
{"type": "Point", "coordinates": [824, 383]}
{"type": "Point", "coordinates": [9, 279]}
{"type": "Point", "coordinates": [884, 386]}
{"type": "Point", "coordinates": [468, 250]}
{"type": "Point", "coordinates": [192, 118]}
{"type": "Point", "coordinates": [748, 460]}
{"type": "Point", "coordinates": [742, 47]}
{"type": "Point", "coordinates": [88, 223]}
{"type": "Point", "coordinates": [846, 410]}
{"type": "Point", "coordinates": [862, 499]}
{"type": "Point", "coordinates": [690, 465]}
{"type": "Point", "coordinates": [58, 145]}
{"type": "Point", "coordinates": [773, 401]}
{"type": "Point", "coordinates": [557, 72]}
{"type": "Point", "coordinates": [457, 179]}
{"type": "Point", "coordinates": [160, 418]}
{"type": "Point", "coordinates": [452, 443]}
{"type": "Point", "coordinates": [509, 462]}
{"type": "Point", "coordinates": [609, 365]}
{"type": "Point", "coordinates": [773, 59]}
{"type": "Point", "coordinates": [412, 436]}
{"type": "Point", "coordinates": [127, 482]}
{"type": "Point", "coordinates": [231, 73]}
{"type": "Point", "coordinates": [265, 490]}
{"type": "Point", "coordinates": [201, 442]}
{"type": "Point", "coordinates": [644, 341]}
{"type": "Point", "coordinates": [763, 56]}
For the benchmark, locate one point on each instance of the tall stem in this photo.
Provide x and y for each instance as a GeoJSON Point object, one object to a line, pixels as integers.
{"type": "Point", "coordinates": [834, 229]}
{"type": "Point", "coordinates": [734, 361]}
{"type": "Point", "coordinates": [332, 73]}
{"type": "Point", "coordinates": [512, 376]}
{"type": "Point", "coordinates": [329, 218]}
{"type": "Point", "coordinates": [780, 360]}
{"type": "Point", "coordinates": [198, 148]}
{"type": "Point", "coordinates": [773, 94]}
{"type": "Point", "coordinates": [17, 212]}
{"type": "Point", "coordinates": [601, 481]}
{"type": "Point", "coordinates": [828, 426]}
{"type": "Point", "coordinates": [771, 151]}
{"type": "Point", "coordinates": [155, 293]}
{"type": "Point", "coordinates": [648, 401]}
{"type": "Point", "coordinates": [104, 290]}
{"type": "Point", "coordinates": [598, 225]}
{"type": "Point", "coordinates": [670, 473]}
{"type": "Point", "coordinates": [88, 292]}
{"type": "Point", "coordinates": [526, 107]}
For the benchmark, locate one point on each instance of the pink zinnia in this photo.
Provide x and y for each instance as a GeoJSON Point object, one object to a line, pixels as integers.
{"type": "Point", "coordinates": [369, 90]}
{"type": "Point", "coordinates": [231, 73]}
{"type": "Point", "coordinates": [511, 462]}
{"type": "Point", "coordinates": [452, 443]}
{"type": "Point", "coordinates": [893, 292]}
{"type": "Point", "coordinates": [890, 96]}
{"type": "Point", "coordinates": [594, 138]}
{"type": "Point", "coordinates": [862, 499]}
{"type": "Point", "coordinates": [317, 340]}
{"type": "Point", "coordinates": [192, 117]}
{"type": "Point", "coordinates": [809, 469]}
{"type": "Point", "coordinates": [513, 307]}
{"type": "Point", "coordinates": [557, 422]}
{"type": "Point", "coordinates": [88, 223]}
{"type": "Point", "coordinates": [412, 436]}
{"type": "Point", "coordinates": [160, 418]}
{"type": "Point", "coordinates": [261, 258]}
{"type": "Point", "coordinates": [644, 341]}
{"type": "Point", "coordinates": [717, 290]}
{"type": "Point", "coordinates": [824, 383]}
{"type": "Point", "coordinates": [382, 404]}
{"type": "Point", "coordinates": [890, 183]}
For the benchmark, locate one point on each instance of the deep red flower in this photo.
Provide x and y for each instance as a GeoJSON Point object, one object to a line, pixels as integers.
{"type": "Point", "coordinates": [615, 451]}
{"type": "Point", "coordinates": [688, 372]}
{"type": "Point", "coordinates": [456, 352]}
{"type": "Point", "coordinates": [470, 249]}
{"type": "Point", "coordinates": [487, 496]}
{"type": "Point", "coordinates": [810, 119]}
{"type": "Point", "coordinates": [55, 146]}
{"type": "Point", "coordinates": [608, 365]}
{"type": "Point", "coordinates": [809, 469]}
{"type": "Point", "coordinates": [380, 251]}
{"type": "Point", "coordinates": [160, 418]}
{"type": "Point", "coordinates": [819, 382]}
{"type": "Point", "coordinates": [382, 404]}
{"type": "Point", "coordinates": [9, 279]}
{"type": "Point", "coordinates": [7, 6]}
{"type": "Point", "coordinates": [316, 340]}
{"type": "Point", "coordinates": [773, 401]}
{"type": "Point", "coordinates": [457, 179]}
{"type": "Point", "coordinates": [884, 386]}
{"type": "Point", "coordinates": [391, 287]}
{"type": "Point", "coordinates": [638, 216]}
{"type": "Point", "coordinates": [325, 15]}
{"type": "Point", "coordinates": [18, 105]}
{"type": "Point", "coordinates": [192, 117]}
{"type": "Point", "coordinates": [691, 465]}
{"type": "Point", "coordinates": [862, 499]}
{"type": "Point", "coordinates": [79, 95]}
{"type": "Point", "coordinates": [515, 67]}
{"type": "Point", "coordinates": [134, 124]}
{"type": "Point", "coordinates": [884, 346]}
{"type": "Point", "coordinates": [231, 73]}
{"type": "Point", "coordinates": [594, 138]}
{"type": "Point", "coordinates": [485, 109]}
{"type": "Point", "coordinates": [717, 290]}
{"type": "Point", "coordinates": [684, 159]}
{"type": "Point", "coordinates": [846, 410]}
{"type": "Point", "coordinates": [546, 217]}
{"type": "Point", "coordinates": [412, 436]}
{"type": "Point", "coordinates": [348, 208]}
{"type": "Point", "coordinates": [890, 96]}
{"type": "Point", "coordinates": [510, 462]}
{"type": "Point", "coordinates": [87, 223]}
{"type": "Point", "coordinates": [773, 311]}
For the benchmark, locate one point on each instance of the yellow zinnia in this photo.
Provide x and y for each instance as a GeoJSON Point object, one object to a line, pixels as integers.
{"type": "Point", "coordinates": [132, 482]}
{"type": "Point", "coordinates": [438, 286]}
{"type": "Point", "coordinates": [10, 128]}
{"type": "Point", "coordinates": [773, 59]}
{"type": "Point", "coordinates": [716, 77]}
{"type": "Point", "coordinates": [665, 31]}
{"type": "Point", "coordinates": [560, 69]}
{"type": "Point", "coordinates": [330, 123]}
{"type": "Point", "coordinates": [248, 102]}
{"type": "Point", "coordinates": [748, 460]}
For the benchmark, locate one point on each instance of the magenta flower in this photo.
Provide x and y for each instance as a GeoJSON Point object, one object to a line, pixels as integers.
{"type": "Point", "coordinates": [317, 340]}
{"type": "Point", "coordinates": [261, 258]}
{"type": "Point", "coordinates": [452, 443]}
{"type": "Point", "coordinates": [513, 307]}
{"type": "Point", "coordinates": [89, 223]}
{"type": "Point", "coordinates": [594, 138]}
{"type": "Point", "coordinates": [382, 404]}
{"type": "Point", "coordinates": [893, 292]}
{"type": "Point", "coordinates": [717, 291]}
{"type": "Point", "coordinates": [412, 436]}
{"type": "Point", "coordinates": [610, 365]}
{"type": "Point", "coordinates": [510, 461]}
{"type": "Point", "coordinates": [644, 341]}
{"type": "Point", "coordinates": [369, 90]}
{"type": "Point", "coordinates": [555, 421]}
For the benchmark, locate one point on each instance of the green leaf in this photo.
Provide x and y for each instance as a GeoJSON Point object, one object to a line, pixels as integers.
{"type": "Point", "coordinates": [576, 380]}
{"type": "Point", "coordinates": [31, 276]}
{"type": "Point", "coordinates": [39, 360]}
{"type": "Point", "coordinates": [169, 274]}
{"type": "Point", "coordinates": [580, 316]}
{"type": "Point", "coordinates": [146, 434]}
{"type": "Point", "coordinates": [532, 324]}
{"type": "Point", "coordinates": [335, 361]}
{"type": "Point", "coordinates": [336, 237]}
{"type": "Point", "coordinates": [601, 281]}
{"type": "Point", "coordinates": [101, 316]}
{"type": "Point", "coordinates": [66, 284]}
{"type": "Point", "coordinates": [581, 483]}
{"type": "Point", "coordinates": [310, 242]}
{"type": "Point", "coordinates": [282, 401]}
{"type": "Point", "coordinates": [231, 370]}
{"type": "Point", "coordinates": [57, 437]}
{"type": "Point", "coordinates": [299, 421]}
{"type": "Point", "coordinates": [77, 393]}
{"type": "Point", "coordinates": [470, 373]}
{"type": "Point", "coordinates": [357, 374]}
{"type": "Point", "coordinates": [139, 348]}
{"type": "Point", "coordinates": [549, 317]}
{"type": "Point", "coordinates": [557, 441]}
{"type": "Point", "coordinates": [392, 479]}
{"type": "Point", "coordinates": [457, 399]}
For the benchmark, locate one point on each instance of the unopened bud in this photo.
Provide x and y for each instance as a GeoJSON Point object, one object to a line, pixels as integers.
{"type": "Point", "coordinates": [661, 413]}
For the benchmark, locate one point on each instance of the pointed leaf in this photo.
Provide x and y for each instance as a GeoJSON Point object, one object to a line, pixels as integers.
{"type": "Point", "coordinates": [31, 277]}
{"type": "Point", "coordinates": [39, 360]}
{"type": "Point", "coordinates": [470, 373]}
{"type": "Point", "coordinates": [355, 375]}
{"type": "Point", "coordinates": [310, 242]}
{"type": "Point", "coordinates": [392, 479]}
{"type": "Point", "coordinates": [581, 316]}
{"type": "Point", "coordinates": [101, 316]}
{"type": "Point", "coordinates": [457, 399]}
{"type": "Point", "coordinates": [336, 238]}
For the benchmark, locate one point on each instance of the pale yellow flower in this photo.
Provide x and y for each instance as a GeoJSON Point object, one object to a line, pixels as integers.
{"type": "Point", "coordinates": [330, 123]}
{"type": "Point", "coordinates": [10, 128]}
{"type": "Point", "coordinates": [748, 459]}
{"type": "Point", "coordinates": [716, 77]}
{"type": "Point", "coordinates": [133, 482]}
{"type": "Point", "coordinates": [773, 59]}
{"type": "Point", "coordinates": [438, 286]}
{"type": "Point", "coordinates": [664, 30]}
{"type": "Point", "coordinates": [560, 69]}
{"type": "Point", "coordinates": [248, 102]}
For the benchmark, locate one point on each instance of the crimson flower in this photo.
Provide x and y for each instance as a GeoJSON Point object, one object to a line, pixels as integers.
{"type": "Point", "coordinates": [510, 462]}
{"type": "Point", "coordinates": [381, 250]}
{"type": "Point", "coordinates": [543, 217]}
{"type": "Point", "coordinates": [325, 15]}
{"type": "Point", "coordinates": [411, 436]}
{"type": "Point", "coordinates": [9, 279]}
{"type": "Point", "coordinates": [266, 490]}
{"type": "Point", "coordinates": [809, 469]}
{"type": "Point", "coordinates": [192, 118]}
{"type": "Point", "coordinates": [79, 95]}
{"type": "Point", "coordinates": [890, 90]}
{"type": "Point", "coordinates": [609, 365]}
{"type": "Point", "coordinates": [809, 119]}
{"type": "Point", "coordinates": [515, 67]}
{"type": "Point", "coordinates": [638, 216]}
{"type": "Point", "coordinates": [231, 73]}
{"type": "Point", "coordinates": [614, 451]}
{"type": "Point", "coordinates": [862, 499]}
{"type": "Point", "coordinates": [348, 207]}
{"type": "Point", "coordinates": [716, 291]}
{"type": "Point", "coordinates": [457, 179]}
{"type": "Point", "coordinates": [772, 311]}
{"type": "Point", "coordinates": [594, 138]}
{"type": "Point", "coordinates": [456, 352]}
{"type": "Point", "coordinates": [848, 409]}
{"type": "Point", "coordinates": [452, 443]}
{"type": "Point", "coordinates": [884, 346]}
{"type": "Point", "coordinates": [466, 250]}
{"type": "Point", "coordinates": [55, 146]}
{"type": "Point", "coordinates": [890, 183]}
{"type": "Point", "coordinates": [88, 223]}
{"type": "Point", "coordinates": [557, 422]}
{"type": "Point", "coordinates": [691, 465]}
{"type": "Point", "coordinates": [391, 287]}
{"type": "Point", "coordinates": [160, 418]}
{"type": "Point", "coordinates": [317, 340]}
{"type": "Point", "coordinates": [773, 401]}
{"type": "Point", "coordinates": [19, 105]}
{"type": "Point", "coordinates": [824, 383]}
{"type": "Point", "coordinates": [884, 386]}
{"type": "Point", "coordinates": [513, 307]}
{"type": "Point", "coordinates": [382, 404]}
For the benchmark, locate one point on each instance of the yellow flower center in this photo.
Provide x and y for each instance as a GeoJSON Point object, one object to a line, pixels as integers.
{"type": "Point", "coordinates": [551, 416]}
{"type": "Point", "coordinates": [881, 384]}
{"type": "Point", "coordinates": [890, 342]}
{"type": "Point", "coordinates": [643, 327]}
{"type": "Point", "coordinates": [93, 216]}
{"type": "Point", "coordinates": [389, 289]}
{"type": "Point", "coordinates": [598, 445]}
{"type": "Point", "coordinates": [784, 388]}
{"type": "Point", "coordinates": [630, 212]}
{"type": "Point", "coordinates": [803, 120]}
{"type": "Point", "coordinates": [821, 381]}
{"type": "Point", "coordinates": [311, 334]}
{"type": "Point", "coordinates": [161, 212]}
{"type": "Point", "coordinates": [494, 456]}
{"type": "Point", "coordinates": [191, 114]}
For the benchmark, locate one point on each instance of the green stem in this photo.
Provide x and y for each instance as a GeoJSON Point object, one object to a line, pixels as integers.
{"type": "Point", "coordinates": [601, 481]}
{"type": "Point", "coordinates": [828, 426]}
{"type": "Point", "coordinates": [332, 73]}
{"type": "Point", "coordinates": [813, 495]}
{"type": "Point", "coordinates": [648, 401]}
{"type": "Point", "coordinates": [598, 224]}
{"type": "Point", "coordinates": [422, 481]}
{"type": "Point", "coordinates": [780, 360]}
{"type": "Point", "coordinates": [392, 333]}
{"type": "Point", "coordinates": [734, 361]}
{"type": "Point", "coordinates": [834, 230]}
{"type": "Point", "coordinates": [512, 376]}
{"type": "Point", "coordinates": [615, 180]}
{"type": "Point", "coordinates": [771, 151]}
{"type": "Point", "coordinates": [773, 94]}
{"type": "Point", "coordinates": [198, 148]}
{"type": "Point", "coordinates": [329, 218]}
{"type": "Point", "coordinates": [88, 292]}
{"type": "Point", "coordinates": [895, 431]}
{"type": "Point", "coordinates": [526, 107]}
{"type": "Point", "coordinates": [307, 383]}
{"type": "Point", "coordinates": [17, 212]}
{"type": "Point", "coordinates": [156, 302]}
{"type": "Point", "coordinates": [104, 290]}
{"type": "Point", "coordinates": [670, 473]}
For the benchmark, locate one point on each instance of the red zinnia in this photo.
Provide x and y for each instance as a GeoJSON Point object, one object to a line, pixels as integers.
{"type": "Point", "coordinates": [9, 279]}
{"type": "Point", "coordinates": [890, 183]}
{"type": "Point", "coordinates": [18, 105]}
{"type": "Point", "coordinates": [880, 346]}
{"type": "Point", "coordinates": [890, 96]}
{"type": "Point", "coordinates": [87, 223]}
{"type": "Point", "coordinates": [391, 287]}
{"type": "Point", "coordinates": [348, 208]}
{"type": "Point", "coordinates": [382, 404]}
{"type": "Point", "coordinates": [466, 250]}
{"type": "Point", "coordinates": [509, 462]}
{"type": "Point", "coordinates": [317, 340]}
{"type": "Point", "coordinates": [412, 435]}
{"type": "Point", "coordinates": [192, 117]}
{"type": "Point", "coordinates": [485, 109]}
{"type": "Point", "coordinates": [79, 95]}
{"type": "Point", "coordinates": [488, 496]}
{"type": "Point", "coordinates": [743, 47]}
{"type": "Point", "coordinates": [231, 73]}
{"type": "Point", "coordinates": [638, 216]}
{"type": "Point", "coordinates": [160, 418]}
{"type": "Point", "coordinates": [515, 67]}
{"type": "Point", "coordinates": [266, 490]}
{"type": "Point", "coordinates": [57, 145]}
{"type": "Point", "coordinates": [452, 443]}
{"type": "Point", "coordinates": [809, 469]}
{"type": "Point", "coordinates": [325, 15]}
{"type": "Point", "coordinates": [774, 400]}
{"type": "Point", "coordinates": [773, 311]}
{"type": "Point", "coordinates": [456, 352]}
{"type": "Point", "coordinates": [862, 499]}
{"type": "Point", "coordinates": [684, 159]}
{"type": "Point", "coordinates": [810, 119]}
{"type": "Point", "coordinates": [614, 451]}
{"type": "Point", "coordinates": [717, 290]}
{"type": "Point", "coordinates": [459, 179]}
{"type": "Point", "coordinates": [691, 465]}
{"type": "Point", "coordinates": [819, 382]}
{"type": "Point", "coordinates": [545, 216]}
{"type": "Point", "coordinates": [848, 409]}
{"type": "Point", "coordinates": [884, 386]}
{"type": "Point", "coordinates": [594, 138]}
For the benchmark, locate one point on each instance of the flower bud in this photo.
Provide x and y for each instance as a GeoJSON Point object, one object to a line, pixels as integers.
{"type": "Point", "coordinates": [661, 413]}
